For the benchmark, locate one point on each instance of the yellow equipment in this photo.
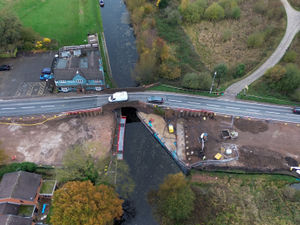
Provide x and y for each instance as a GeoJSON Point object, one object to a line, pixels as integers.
{"type": "Point", "coordinates": [218, 156]}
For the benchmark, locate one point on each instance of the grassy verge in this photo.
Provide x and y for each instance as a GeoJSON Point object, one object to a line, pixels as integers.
{"type": "Point", "coordinates": [67, 21]}
{"type": "Point", "coordinates": [244, 199]}
{"type": "Point", "coordinates": [168, 88]}
{"type": "Point", "coordinates": [267, 100]}
{"type": "Point", "coordinates": [25, 210]}
{"type": "Point", "coordinates": [47, 186]}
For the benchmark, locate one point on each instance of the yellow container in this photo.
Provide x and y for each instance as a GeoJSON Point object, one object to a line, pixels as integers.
{"type": "Point", "coordinates": [171, 128]}
{"type": "Point", "coordinates": [218, 156]}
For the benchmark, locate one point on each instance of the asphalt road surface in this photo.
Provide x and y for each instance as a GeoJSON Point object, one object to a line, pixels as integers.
{"type": "Point", "coordinates": [22, 107]}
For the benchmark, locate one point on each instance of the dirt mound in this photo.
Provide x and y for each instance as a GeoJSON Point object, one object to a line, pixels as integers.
{"type": "Point", "coordinates": [251, 126]}
{"type": "Point", "coordinates": [255, 157]}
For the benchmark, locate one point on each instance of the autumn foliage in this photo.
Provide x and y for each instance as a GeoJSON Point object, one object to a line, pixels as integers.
{"type": "Point", "coordinates": [83, 203]}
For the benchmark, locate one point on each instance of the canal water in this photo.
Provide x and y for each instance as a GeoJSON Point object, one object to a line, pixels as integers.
{"type": "Point", "coordinates": [149, 164]}
{"type": "Point", "coordinates": [120, 42]}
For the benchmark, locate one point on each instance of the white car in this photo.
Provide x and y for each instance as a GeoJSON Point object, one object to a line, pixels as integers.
{"type": "Point", "coordinates": [121, 96]}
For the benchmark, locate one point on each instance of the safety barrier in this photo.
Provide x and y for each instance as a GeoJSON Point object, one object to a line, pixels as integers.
{"type": "Point", "coordinates": [88, 112]}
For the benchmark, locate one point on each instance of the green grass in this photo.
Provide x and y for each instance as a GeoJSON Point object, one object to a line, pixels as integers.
{"type": "Point", "coordinates": [25, 210]}
{"type": "Point", "coordinates": [168, 88]}
{"type": "Point", "coordinates": [67, 21]}
{"type": "Point", "coordinates": [47, 186]}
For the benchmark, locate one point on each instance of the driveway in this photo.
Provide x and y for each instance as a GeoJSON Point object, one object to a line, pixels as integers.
{"type": "Point", "coordinates": [23, 79]}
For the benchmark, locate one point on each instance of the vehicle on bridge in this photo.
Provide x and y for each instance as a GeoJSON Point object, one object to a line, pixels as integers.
{"type": "Point", "coordinates": [155, 99]}
{"type": "Point", "coordinates": [296, 110]}
{"type": "Point", "coordinates": [121, 96]}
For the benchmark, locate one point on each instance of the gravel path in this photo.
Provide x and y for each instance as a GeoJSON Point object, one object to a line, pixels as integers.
{"type": "Point", "coordinates": [293, 26]}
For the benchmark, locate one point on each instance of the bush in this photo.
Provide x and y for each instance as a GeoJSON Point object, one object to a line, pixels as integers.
{"type": "Point", "coordinates": [236, 13]}
{"type": "Point", "coordinates": [296, 95]}
{"type": "Point", "coordinates": [214, 12]}
{"type": "Point", "coordinates": [290, 57]}
{"type": "Point", "coordinates": [239, 71]}
{"type": "Point", "coordinates": [197, 81]}
{"type": "Point", "coordinates": [261, 6]}
{"type": "Point", "coordinates": [231, 8]}
{"type": "Point", "coordinates": [227, 35]}
{"type": "Point", "coordinates": [255, 40]}
{"type": "Point", "coordinates": [13, 167]}
{"type": "Point", "coordinates": [222, 72]}
{"type": "Point", "coordinates": [193, 12]}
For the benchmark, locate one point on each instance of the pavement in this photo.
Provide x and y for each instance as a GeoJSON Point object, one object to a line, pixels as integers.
{"type": "Point", "coordinates": [45, 105]}
{"type": "Point", "coordinates": [293, 27]}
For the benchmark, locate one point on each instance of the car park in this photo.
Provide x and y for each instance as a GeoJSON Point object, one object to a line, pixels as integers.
{"type": "Point", "coordinates": [296, 110]}
{"type": "Point", "coordinates": [5, 67]}
{"type": "Point", "coordinates": [155, 99]}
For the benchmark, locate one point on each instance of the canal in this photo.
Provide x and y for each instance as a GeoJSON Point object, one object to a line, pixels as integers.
{"type": "Point", "coordinates": [120, 42]}
{"type": "Point", "coordinates": [149, 164]}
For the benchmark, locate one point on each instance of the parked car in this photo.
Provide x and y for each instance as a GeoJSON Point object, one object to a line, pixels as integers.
{"type": "Point", "coordinates": [101, 3]}
{"type": "Point", "coordinates": [46, 74]}
{"type": "Point", "coordinates": [5, 67]}
{"type": "Point", "coordinates": [121, 96]}
{"type": "Point", "coordinates": [296, 110]}
{"type": "Point", "coordinates": [155, 99]}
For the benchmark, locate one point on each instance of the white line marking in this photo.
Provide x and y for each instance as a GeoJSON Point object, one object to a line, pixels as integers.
{"type": "Point", "coordinates": [212, 105]}
{"type": "Point", "coordinates": [174, 100]}
{"type": "Point", "coordinates": [194, 103]}
{"type": "Point", "coordinates": [272, 112]}
{"type": "Point", "coordinates": [47, 106]}
{"type": "Point", "coordinates": [7, 108]}
{"type": "Point", "coordinates": [253, 110]}
{"type": "Point", "coordinates": [27, 107]}
{"type": "Point", "coordinates": [228, 107]}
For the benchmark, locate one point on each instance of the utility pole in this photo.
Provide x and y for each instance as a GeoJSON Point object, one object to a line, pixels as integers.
{"type": "Point", "coordinates": [212, 83]}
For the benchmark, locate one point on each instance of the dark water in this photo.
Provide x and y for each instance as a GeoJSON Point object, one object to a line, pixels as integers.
{"type": "Point", "coordinates": [120, 42]}
{"type": "Point", "coordinates": [149, 164]}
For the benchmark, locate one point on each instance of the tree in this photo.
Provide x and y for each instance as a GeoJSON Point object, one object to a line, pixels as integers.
{"type": "Point", "coordinates": [291, 79]}
{"type": "Point", "coordinates": [274, 74]}
{"type": "Point", "coordinates": [77, 165]}
{"type": "Point", "coordinates": [176, 198]}
{"type": "Point", "coordinates": [10, 31]}
{"type": "Point", "coordinates": [239, 71]}
{"type": "Point", "coordinates": [221, 70]}
{"type": "Point", "coordinates": [290, 56]}
{"type": "Point", "coordinates": [214, 12]}
{"type": "Point", "coordinates": [83, 203]}
{"type": "Point", "coordinates": [197, 81]}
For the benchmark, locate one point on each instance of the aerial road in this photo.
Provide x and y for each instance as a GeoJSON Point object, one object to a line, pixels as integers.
{"type": "Point", "coordinates": [22, 107]}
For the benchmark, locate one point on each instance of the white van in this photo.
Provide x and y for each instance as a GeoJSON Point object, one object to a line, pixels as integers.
{"type": "Point", "coordinates": [121, 96]}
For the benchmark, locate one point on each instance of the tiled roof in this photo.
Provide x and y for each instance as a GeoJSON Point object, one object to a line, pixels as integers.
{"type": "Point", "coordinates": [14, 220]}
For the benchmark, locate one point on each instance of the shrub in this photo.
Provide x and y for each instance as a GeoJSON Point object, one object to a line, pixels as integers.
{"type": "Point", "coordinates": [193, 12]}
{"type": "Point", "coordinates": [214, 12]}
{"type": "Point", "coordinates": [296, 95]}
{"type": "Point", "coordinates": [236, 13]}
{"type": "Point", "coordinates": [290, 56]}
{"type": "Point", "coordinates": [261, 6]}
{"type": "Point", "coordinates": [227, 35]}
{"type": "Point", "coordinates": [197, 81]}
{"type": "Point", "coordinates": [255, 40]}
{"type": "Point", "coordinates": [231, 8]}
{"type": "Point", "coordinates": [239, 71]}
{"type": "Point", "coordinates": [24, 166]}
{"type": "Point", "coordinates": [291, 80]}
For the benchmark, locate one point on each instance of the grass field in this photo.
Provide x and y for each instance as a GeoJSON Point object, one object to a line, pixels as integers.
{"type": "Point", "coordinates": [67, 21]}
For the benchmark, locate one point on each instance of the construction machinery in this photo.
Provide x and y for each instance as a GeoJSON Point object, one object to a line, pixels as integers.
{"type": "Point", "coordinates": [227, 134]}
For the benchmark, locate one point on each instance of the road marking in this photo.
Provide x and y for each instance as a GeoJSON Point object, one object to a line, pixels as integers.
{"type": "Point", "coordinates": [228, 107]}
{"type": "Point", "coordinates": [212, 105]}
{"type": "Point", "coordinates": [47, 106]}
{"type": "Point", "coordinates": [7, 108]}
{"type": "Point", "coordinates": [253, 110]}
{"type": "Point", "coordinates": [27, 107]}
{"type": "Point", "coordinates": [195, 103]}
{"type": "Point", "coordinates": [273, 112]}
{"type": "Point", "coordinates": [174, 100]}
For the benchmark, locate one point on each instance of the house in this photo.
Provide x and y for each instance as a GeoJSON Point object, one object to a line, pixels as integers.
{"type": "Point", "coordinates": [79, 68]}
{"type": "Point", "coordinates": [15, 220]}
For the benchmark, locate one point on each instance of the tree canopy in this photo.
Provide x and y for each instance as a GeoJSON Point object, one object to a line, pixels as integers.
{"type": "Point", "coordinates": [197, 81]}
{"type": "Point", "coordinates": [83, 203]}
{"type": "Point", "coordinates": [176, 198]}
{"type": "Point", "coordinates": [214, 12]}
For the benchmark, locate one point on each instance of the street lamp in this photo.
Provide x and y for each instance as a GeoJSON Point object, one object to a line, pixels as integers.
{"type": "Point", "coordinates": [212, 83]}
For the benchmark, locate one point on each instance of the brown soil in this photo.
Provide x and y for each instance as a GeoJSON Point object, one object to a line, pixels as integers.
{"type": "Point", "coordinates": [253, 127]}
{"type": "Point", "coordinates": [46, 143]}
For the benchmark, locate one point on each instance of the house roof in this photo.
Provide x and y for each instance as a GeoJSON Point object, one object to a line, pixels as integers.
{"type": "Point", "coordinates": [20, 185]}
{"type": "Point", "coordinates": [87, 63]}
{"type": "Point", "coordinates": [14, 220]}
{"type": "Point", "coordinates": [8, 208]}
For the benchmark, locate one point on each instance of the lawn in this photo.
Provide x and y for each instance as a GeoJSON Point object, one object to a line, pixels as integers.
{"type": "Point", "coordinates": [25, 210]}
{"type": "Point", "coordinates": [47, 186]}
{"type": "Point", "coordinates": [67, 21]}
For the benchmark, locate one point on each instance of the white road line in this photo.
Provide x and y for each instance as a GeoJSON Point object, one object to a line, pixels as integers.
{"type": "Point", "coordinates": [228, 107]}
{"type": "Point", "coordinates": [194, 103]}
{"type": "Point", "coordinates": [173, 100]}
{"type": "Point", "coordinates": [7, 108]}
{"type": "Point", "coordinates": [253, 110]}
{"type": "Point", "coordinates": [273, 112]}
{"type": "Point", "coordinates": [213, 105]}
{"type": "Point", "coordinates": [47, 106]}
{"type": "Point", "coordinates": [27, 107]}
{"type": "Point", "coordinates": [256, 113]}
